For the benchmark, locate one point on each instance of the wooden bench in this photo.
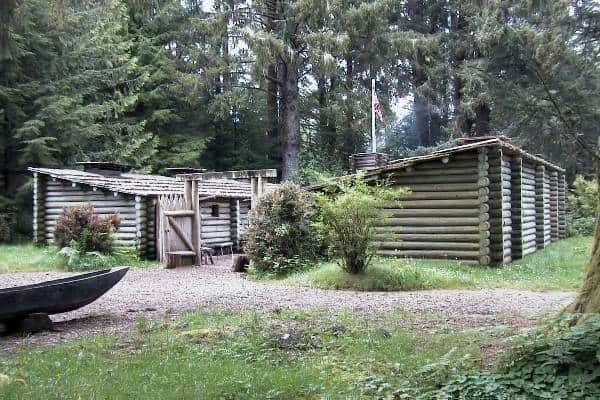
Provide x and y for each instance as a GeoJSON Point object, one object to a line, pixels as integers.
{"type": "Point", "coordinates": [174, 256]}
{"type": "Point", "coordinates": [221, 246]}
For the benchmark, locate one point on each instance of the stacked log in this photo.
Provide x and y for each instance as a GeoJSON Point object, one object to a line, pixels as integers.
{"type": "Point", "coordinates": [547, 208]}
{"type": "Point", "coordinates": [517, 207]}
{"type": "Point", "coordinates": [366, 161]}
{"type": "Point", "coordinates": [525, 227]}
{"type": "Point", "coordinates": [151, 227]}
{"type": "Point", "coordinates": [446, 214]}
{"type": "Point", "coordinates": [216, 229]}
{"type": "Point", "coordinates": [500, 207]}
{"type": "Point", "coordinates": [61, 194]}
{"type": "Point", "coordinates": [542, 207]}
{"type": "Point", "coordinates": [562, 212]}
{"type": "Point", "coordinates": [553, 205]}
{"type": "Point", "coordinates": [39, 182]}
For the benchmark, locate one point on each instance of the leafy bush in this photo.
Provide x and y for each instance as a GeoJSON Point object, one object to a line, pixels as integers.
{"type": "Point", "coordinates": [349, 212]}
{"type": "Point", "coordinates": [80, 228]}
{"type": "Point", "coordinates": [4, 229]}
{"type": "Point", "coordinates": [582, 203]}
{"type": "Point", "coordinates": [281, 236]}
{"type": "Point", "coordinates": [557, 362]}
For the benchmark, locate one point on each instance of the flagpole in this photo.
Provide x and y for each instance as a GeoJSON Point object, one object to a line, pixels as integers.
{"type": "Point", "coordinates": [373, 141]}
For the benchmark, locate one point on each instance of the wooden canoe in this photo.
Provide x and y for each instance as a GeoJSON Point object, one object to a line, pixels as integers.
{"type": "Point", "coordinates": [57, 296]}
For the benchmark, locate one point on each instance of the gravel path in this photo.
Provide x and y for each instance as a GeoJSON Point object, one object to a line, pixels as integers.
{"type": "Point", "coordinates": [164, 294]}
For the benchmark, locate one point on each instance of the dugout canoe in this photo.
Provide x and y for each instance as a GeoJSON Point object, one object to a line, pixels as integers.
{"type": "Point", "coordinates": [57, 296]}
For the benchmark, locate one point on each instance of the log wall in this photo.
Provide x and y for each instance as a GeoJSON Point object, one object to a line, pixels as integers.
{"type": "Point", "coordinates": [562, 212]}
{"type": "Point", "coordinates": [446, 214]}
{"type": "Point", "coordinates": [216, 230]}
{"type": "Point", "coordinates": [528, 225]}
{"type": "Point", "coordinates": [39, 188]}
{"type": "Point", "coordinates": [542, 207]}
{"type": "Point", "coordinates": [60, 194]}
{"type": "Point", "coordinates": [553, 180]}
{"type": "Point", "coordinates": [500, 205]}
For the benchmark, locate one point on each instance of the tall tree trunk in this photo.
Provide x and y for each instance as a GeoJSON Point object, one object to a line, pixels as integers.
{"type": "Point", "coordinates": [421, 106]}
{"type": "Point", "coordinates": [291, 122]}
{"type": "Point", "coordinates": [588, 300]}
{"type": "Point", "coordinates": [482, 119]}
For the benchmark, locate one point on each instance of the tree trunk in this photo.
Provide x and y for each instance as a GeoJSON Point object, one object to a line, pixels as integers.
{"type": "Point", "coordinates": [482, 120]}
{"type": "Point", "coordinates": [588, 300]}
{"type": "Point", "coordinates": [291, 123]}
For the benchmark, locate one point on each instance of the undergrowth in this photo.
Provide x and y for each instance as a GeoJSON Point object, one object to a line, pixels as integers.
{"type": "Point", "coordinates": [29, 258]}
{"type": "Point", "coordinates": [560, 266]}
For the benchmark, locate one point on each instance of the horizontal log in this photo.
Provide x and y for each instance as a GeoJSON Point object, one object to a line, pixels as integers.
{"type": "Point", "coordinates": [435, 254]}
{"type": "Point", "coordinates": [441, 170]}
{"type": "Point", "coordinates": [445, 187]}
{"type": "Point", "coordinates": [459, 221]}
{"type": "Point", "coordinates": [94, 203]}
{"type": "Point", "coordinates": [216, 228]}
{"type": "Point", "coordinates": [427, 245]}
{"type": "Point", "coordinates": [474, 194]}
{"type": "Point", "coordinates": [408, 180]}
{"type": "Point", "coordinates": [97, 210]}
{"type": "Point", "coordinates": [454, 230]}
{"type": "Point", "coordinates": [432, 212]}
{"type": "Point", "coordinates": [216, 235]}
{"type": "Point", "coordinates": [179, 213]}
{"type": "Point", "coordinates": [441, 203]}
{"type": "Point", "coordinates": [436, 237]}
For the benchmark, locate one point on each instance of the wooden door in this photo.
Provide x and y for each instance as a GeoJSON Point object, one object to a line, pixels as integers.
{"type": "Point", "coordinates": [176, 231]}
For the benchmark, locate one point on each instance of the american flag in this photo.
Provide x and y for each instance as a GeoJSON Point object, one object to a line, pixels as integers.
{"type": "Point", "coordinates": [377, 108]}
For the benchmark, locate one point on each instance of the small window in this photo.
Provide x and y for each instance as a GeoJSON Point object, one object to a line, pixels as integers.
{"type": "Point", "coordinates": [214, 210]}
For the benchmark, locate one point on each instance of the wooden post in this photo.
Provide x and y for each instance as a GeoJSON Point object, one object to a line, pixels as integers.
{"type": "Point", "coordinates": [254, 187]}
{"type": "Point", "coordinates": [197, 221]}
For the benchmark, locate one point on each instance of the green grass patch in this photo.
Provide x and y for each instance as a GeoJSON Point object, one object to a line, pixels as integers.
{"type": "Point", "coordinates": [31, 258]}
{"type": "Point", "coordinates": [252, 355]}
{"type": "Point", "coordinates": [560, 266]}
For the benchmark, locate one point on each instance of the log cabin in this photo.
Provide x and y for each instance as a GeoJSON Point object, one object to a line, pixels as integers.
{"type": "Point", "coordinates": [110, 188]}
{"type": "Point", "coordinates": [484, 201]}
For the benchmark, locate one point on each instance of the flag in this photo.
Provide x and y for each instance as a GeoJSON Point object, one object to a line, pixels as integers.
{"type": "Point", "coordinates": [377, 108]}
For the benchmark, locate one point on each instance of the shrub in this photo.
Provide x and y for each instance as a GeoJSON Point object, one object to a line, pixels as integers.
{"type": "Point", "coordinates": [582, 201]}
{"type": "Point", "coordinates": [348, 214]}
{"type": "Point", "coordinates": [80, 228]}
{"type": "Point", "coordinates": [4, 229]}
{"type": "Point", "coordinates": [281, 236]}
{"type": "Point", "coordinates": [560, 363]}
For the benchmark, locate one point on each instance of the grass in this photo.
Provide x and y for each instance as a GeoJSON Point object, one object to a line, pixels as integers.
{"type": "Point", "coordinates": [560, 266]}
{"type": "Point", "coordinates": [31, 258]}
{"type": "Point", "coordinates": [214, 354]}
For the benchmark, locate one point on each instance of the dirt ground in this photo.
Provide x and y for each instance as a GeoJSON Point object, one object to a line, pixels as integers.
{"type": "Point", "coordinates": [165, 294]}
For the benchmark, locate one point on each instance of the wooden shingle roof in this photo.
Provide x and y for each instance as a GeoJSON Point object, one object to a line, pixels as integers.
{"type": "Point", "coordinates": [147, 185]}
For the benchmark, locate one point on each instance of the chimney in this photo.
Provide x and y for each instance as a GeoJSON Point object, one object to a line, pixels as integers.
{"type": "Point", "coordinates": [367, 161]}
{"type": "Point", "coordinates": [104, 168]}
